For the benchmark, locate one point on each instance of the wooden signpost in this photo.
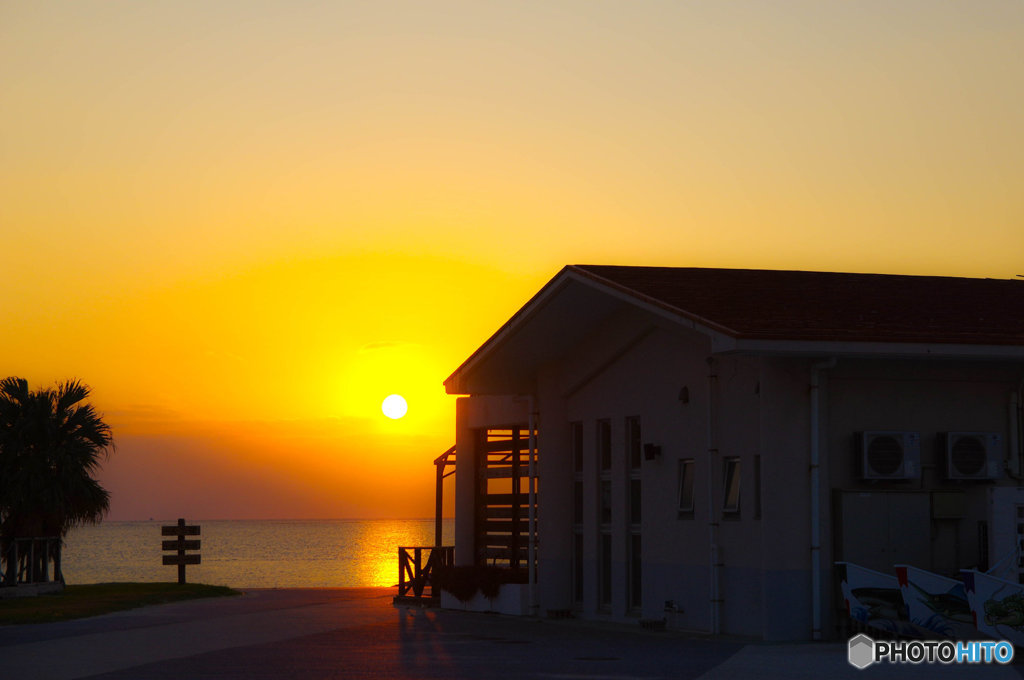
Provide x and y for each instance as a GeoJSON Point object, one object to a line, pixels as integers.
{"type": "Point", "coordinates": [180, 545]}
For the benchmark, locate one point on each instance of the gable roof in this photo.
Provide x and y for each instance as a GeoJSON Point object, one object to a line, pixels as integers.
{"type": "Point", "coordinates": [799, 305]}
{"type": "Point", "coordinates": [756, 310]}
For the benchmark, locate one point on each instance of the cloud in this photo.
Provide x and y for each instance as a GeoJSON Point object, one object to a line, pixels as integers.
{"type": "Point", "coordinates": [142, 412]}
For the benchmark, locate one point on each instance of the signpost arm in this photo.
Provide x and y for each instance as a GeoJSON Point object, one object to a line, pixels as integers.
{"type": "Point", "coordinates": [181, 550]}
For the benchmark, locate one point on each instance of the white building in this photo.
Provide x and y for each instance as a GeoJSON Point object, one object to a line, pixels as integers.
{"type": "Point", "coordinates": [709, 442]}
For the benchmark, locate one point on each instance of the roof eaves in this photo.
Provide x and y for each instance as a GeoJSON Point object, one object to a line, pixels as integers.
{"type": "Point", "coordinates": [865, 348]}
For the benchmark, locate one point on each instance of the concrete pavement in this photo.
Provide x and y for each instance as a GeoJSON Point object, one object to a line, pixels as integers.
{"type": "Point", "coordinates": [358, 633]}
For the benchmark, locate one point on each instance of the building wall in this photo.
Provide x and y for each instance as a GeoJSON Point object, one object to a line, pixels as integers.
{"type": "Point", "coordinates": [784, 424]}
{"type": "Point", "coordinates": [645, 381]}
{"type": "Point", "coordinates": [646, 376]}
{"type": "Point", "coordinates": [923, 396]}
{"type": "Point", "coordinates": [879, 523]}
{"type": "Point", "coordinates": [555, 503]}
{"type": "Point", "coordinates": [755, 409]}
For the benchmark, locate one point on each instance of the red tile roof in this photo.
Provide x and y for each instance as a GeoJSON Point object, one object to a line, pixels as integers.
{"type": "Point", "coordinates": [799, 305]}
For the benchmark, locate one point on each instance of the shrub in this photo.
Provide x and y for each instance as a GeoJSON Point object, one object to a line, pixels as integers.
{"type": "Point", "coordinates": [465, 582]}
{"type": "Point", "coordinates": [459, 581]}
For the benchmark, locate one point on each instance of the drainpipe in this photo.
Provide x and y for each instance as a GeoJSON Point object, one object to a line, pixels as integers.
{"type": "Point", "coordinates": [531, 551]}
{"type": "Point", "coordinates": [816, 495]}
{"type": "Point", "coordinates": [713, 565]}
{"type": "Point", "coordinates": [1014, 453]}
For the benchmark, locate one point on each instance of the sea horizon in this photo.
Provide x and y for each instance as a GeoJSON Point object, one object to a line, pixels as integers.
{"type": "Point", "coordinates": [246, 553]}
{"type": "Point", "coordinates": [274, 519]}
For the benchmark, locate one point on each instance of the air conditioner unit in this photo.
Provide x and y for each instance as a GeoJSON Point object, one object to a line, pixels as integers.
{"type": "Point", "coordinates": [971, 455]}
{"type": "Point", "coordinates": [890, 455]}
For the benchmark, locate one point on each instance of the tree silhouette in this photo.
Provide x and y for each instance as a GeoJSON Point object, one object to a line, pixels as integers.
{"type": "Point", "coordinates": [51, 444]}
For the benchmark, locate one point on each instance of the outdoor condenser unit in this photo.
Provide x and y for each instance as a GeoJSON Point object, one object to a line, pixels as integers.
{"type": "Point", "coordinates": [889, 455]}
{"type": "Point", "coordinates": [971, 455]}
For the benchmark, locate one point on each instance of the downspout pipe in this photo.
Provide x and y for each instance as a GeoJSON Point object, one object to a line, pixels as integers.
{"type": "Point", "coordinates": [713, 561]}
{"type": "Point", "coordinates": [1015, 453]}
{"type": "Point", "coordinates": [816, 401]}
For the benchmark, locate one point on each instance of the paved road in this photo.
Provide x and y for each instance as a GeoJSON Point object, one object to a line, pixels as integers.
{"type": "Point", "coordinates": [357, 633]}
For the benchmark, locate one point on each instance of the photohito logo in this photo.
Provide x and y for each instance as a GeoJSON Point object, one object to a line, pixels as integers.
{"type": "Point", "coordinates": [863, 651]}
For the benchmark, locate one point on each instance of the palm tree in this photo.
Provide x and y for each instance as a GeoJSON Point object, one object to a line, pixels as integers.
{"type": "Point", "coordinates": [51, 444]}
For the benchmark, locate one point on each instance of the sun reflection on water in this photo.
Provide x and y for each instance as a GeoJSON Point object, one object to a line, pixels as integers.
{"type": "Point", "coordinates": [253, 554]}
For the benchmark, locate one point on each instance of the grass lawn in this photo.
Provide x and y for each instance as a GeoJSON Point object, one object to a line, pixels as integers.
{"type": "Point", "coordinates": [101, 598]}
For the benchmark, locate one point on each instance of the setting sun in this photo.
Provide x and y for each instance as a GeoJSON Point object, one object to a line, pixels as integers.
{"type": "Point", "coordinates": [394, 406]}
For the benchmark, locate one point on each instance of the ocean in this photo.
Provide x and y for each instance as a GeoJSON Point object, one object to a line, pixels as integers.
{"type": "Point", "coordinates": [251, 553]}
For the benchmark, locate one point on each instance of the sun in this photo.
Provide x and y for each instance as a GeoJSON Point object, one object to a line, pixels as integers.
{"type": "Point", "coordinates": [394, 406]}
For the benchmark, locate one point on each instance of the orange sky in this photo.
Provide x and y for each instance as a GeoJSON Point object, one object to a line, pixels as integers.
{"type": "Point", "coordinates": [244, 224]}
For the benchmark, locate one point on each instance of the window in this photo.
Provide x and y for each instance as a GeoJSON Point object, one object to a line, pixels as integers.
{"type": "Point", "coordinates": [604, 444]}
{"type": "Point", "coordinates": [634, 456]}
{"type": "Point", "coordinates": [633, 443]}
{"type": "Point", "coordinates": [635, 503]}
{"type": "Point", "coordinates": [731, 490]}
{"type": "Point", "coordinates": [604, 514]}
{"type": "Point", "coordinates": [634, 500]}
{"type": "Point", "coordinates": [577, 569]}
{"type": "Point", "coordinates": [686, 474]}
{"type": "Point", "coordinates": [577, 504]}
{"type": "Point", "coordinates": [604, 595]}
{"type": "Point", "coordinates": [576, 436]}
{"type": "Point", "coordinates": [605, 509]}
{"type": "Point", "coordinates": [635, 572]}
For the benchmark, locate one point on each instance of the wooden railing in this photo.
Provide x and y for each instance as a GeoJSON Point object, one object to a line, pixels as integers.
{"type": "Point", "coordinates": [416, 568]}
{"type": "Point", "coordinates": [27, 561]}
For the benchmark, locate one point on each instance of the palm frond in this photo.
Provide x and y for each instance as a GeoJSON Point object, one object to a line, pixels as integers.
{"type": "Point", "coordinates": [51, 445]}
